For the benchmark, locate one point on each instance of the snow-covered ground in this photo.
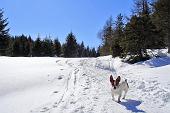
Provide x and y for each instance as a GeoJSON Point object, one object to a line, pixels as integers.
{"type": "Point", "coordinates": [81, 85]}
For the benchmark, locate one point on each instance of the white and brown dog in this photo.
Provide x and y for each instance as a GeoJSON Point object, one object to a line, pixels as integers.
{"type": "Point", "coordinates": [118, 87]}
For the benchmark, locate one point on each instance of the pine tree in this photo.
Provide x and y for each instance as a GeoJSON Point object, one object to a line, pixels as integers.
{"type": "Point", "coordinates": [98, 52]}
{"type": "Point", "coordinates": [70, 48]}
{"type": "Point", "coordinates": [87, 52]}
{"type": "Point", "coordinates": [37, 47]}
{"type": "Point", "coordinates": [161, 16]}
{"type": "Point", "coordinates": [141, 7]}
{"type": "Point", "coordinates": [106, 36]}
{"type": "Point", "coordinates": [16, 46]}
{"type": "Point", "coordinates": [133, 42]}
{"type": "Point", "coordinates": [57, 47]}
{"type": "Point", "coordinates": [93, 52]}
{"type": "Point", "coordinates": [25, 46]}
{"type": "Point", "coordinates": [21, 46]}
{"type": "Point", "coordinates": [47, 47]}
{"type": "Point", "coordinates": [137, 39]}
{"type": "Point", "coordinates": [4, 36]}
{"type": "Point", "coordinates": [63, 46]}
{"type": "Point", "coordinates": [9, 51]}
{"type": "Point", "coordinates": [117, 36]}
{"type": "Point", "coordinates": [30, 42]}
{"type": "Point", "coordinates": [81, 49]}
{"type": "Point", "coordinates": [140, 34]}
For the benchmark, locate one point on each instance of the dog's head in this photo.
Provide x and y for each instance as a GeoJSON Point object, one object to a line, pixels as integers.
{"type": "Point", "coordinates": [114, 83]}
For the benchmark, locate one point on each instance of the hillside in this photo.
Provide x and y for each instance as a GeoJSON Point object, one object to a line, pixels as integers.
{"type": "Point", "coordinates": [81, 85]}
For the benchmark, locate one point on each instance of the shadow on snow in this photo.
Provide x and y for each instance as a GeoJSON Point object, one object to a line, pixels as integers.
{"type": "Point", "coordinates": [132, 105]}
{"type": "Point", "coordinates": [157, 62]}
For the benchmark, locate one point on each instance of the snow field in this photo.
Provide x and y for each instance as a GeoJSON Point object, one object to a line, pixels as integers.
{"type": "Point", "coordinates": [81, 85]}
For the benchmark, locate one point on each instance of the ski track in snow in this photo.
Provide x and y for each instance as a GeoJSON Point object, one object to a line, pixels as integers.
{"type": "Point", "coordinates": [83, 86]}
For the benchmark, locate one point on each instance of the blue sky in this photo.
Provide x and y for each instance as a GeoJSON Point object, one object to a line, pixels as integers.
{"type": "Point", "coordinates": [59, 17]}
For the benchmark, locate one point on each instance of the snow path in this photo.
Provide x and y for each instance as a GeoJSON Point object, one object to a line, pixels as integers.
{"type": "Point", "coordinates": [84, 88]}
{"type": "Point", "coordinates": [80, 85]}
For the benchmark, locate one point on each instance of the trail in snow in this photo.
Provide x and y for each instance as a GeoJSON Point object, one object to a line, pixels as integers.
{"type": "Point", "coordinates": [88, 89]}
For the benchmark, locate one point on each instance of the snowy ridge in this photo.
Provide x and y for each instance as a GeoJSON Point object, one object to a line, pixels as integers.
{"type": "Point", "coordinates": [81, 85]}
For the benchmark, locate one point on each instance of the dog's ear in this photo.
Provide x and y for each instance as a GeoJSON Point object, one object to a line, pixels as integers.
{"type": "Point", "coordinates": [118, 80]}
{"type": "Point", "coordinates": [112, 80]}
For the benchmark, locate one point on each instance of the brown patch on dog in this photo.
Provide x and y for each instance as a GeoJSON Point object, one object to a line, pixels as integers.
{"type": "Point", "coordinates": [112, 81]}
{"type": "Point", "coordinates": [118, 80]}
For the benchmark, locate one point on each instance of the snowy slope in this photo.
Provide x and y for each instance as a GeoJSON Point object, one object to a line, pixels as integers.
{"type": "Point", "coordinates": [81, 85]}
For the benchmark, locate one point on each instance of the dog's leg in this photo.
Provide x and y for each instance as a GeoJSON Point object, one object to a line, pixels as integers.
{"type": "Point", "coordinates": [125, 93]}
{"type": "Point", "coordinates": [119, 97]}
{"type": "Point", "coordinates": [113, 98]}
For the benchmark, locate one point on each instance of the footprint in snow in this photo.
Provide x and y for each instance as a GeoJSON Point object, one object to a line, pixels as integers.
{"type": "Point", "coordinates": [79, 109]}
{"type": "Point", "coordinates": [86, 88]}
{"type": "Point", "coordinates": [60, 77]}
{"type": "Point", "coordinates": [57, 61]}
{"type": "Point", "coordinates": [72, 102]}
{"type": "Point", "coordinates": [84, 75]}
{"type": "Point", "coordinates": [95, 98]}
{"type": "Point", "coordinates": [44, 109]}
{"type": "Point", "coordinates": [55, 92]}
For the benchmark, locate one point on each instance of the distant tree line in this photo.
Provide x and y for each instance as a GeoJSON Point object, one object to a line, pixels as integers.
{"type": "Point", "coordinates": [147, 28]}
{"type": "Point", "coordinates": [25, 46]}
